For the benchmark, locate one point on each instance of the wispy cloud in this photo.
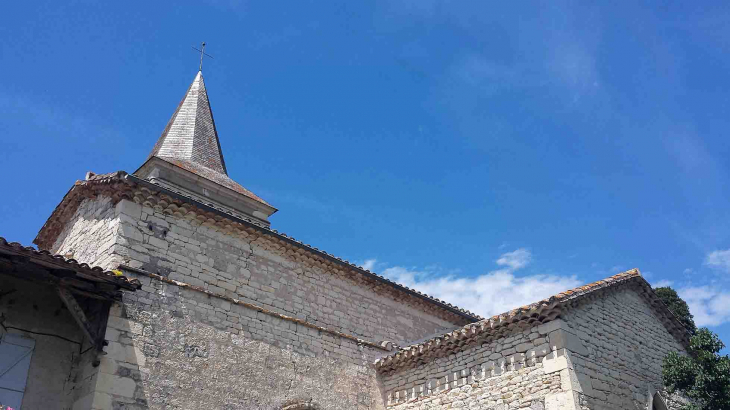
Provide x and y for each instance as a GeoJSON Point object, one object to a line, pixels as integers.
{"type": "Point", "coordinates": [663, 283]}
{"type": "Point", "coordinates": [516, 259]}
{"type": "Point", "coordinates": [709, 305]}
{"type": "Point", "coordinates": [369, 264]}
{"type": "Point", "coordinates": [494, 292]}
{"type": "Point", "coordinates": [719, 260]}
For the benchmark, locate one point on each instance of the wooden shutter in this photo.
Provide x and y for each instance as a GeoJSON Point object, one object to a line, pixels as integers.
{"type": "Point", "coordinates": [15, 352]}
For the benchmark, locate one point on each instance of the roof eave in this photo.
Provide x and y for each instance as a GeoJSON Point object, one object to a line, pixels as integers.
{"type": "Point", "coordinates": [308, 248]}
{"type": "Point", "coordinates": [270, 209]}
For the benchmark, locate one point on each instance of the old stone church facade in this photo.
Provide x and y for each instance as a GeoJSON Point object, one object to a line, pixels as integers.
{"type": "Point", "coordinates": [208, 307]}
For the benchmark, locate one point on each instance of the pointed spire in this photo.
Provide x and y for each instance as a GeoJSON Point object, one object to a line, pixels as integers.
{"type": "Point", "coordinates": [189, 145]}
{"type": "Point", "coordinates": [190, 134]}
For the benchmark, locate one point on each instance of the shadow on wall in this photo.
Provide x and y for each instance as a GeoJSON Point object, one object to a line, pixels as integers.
{"type": "Point", "coordinates": [43, 353]}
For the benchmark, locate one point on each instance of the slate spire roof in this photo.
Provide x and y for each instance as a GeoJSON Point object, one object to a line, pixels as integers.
{"type": "Point", "coordinates": [190, 134]}
{"type": "Point", "coordinates": [191, 142]}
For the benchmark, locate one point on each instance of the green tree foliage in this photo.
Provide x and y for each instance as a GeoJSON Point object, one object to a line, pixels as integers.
{"type": "Point", "coordinates": [678, 306]}
{"type": "Point", "coordinates": [703, 376]}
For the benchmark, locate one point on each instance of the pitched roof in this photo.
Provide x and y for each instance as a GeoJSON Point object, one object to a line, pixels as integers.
{"type": "Point", "coordinates": [57, 265]}
{"type": "Point", "coordinates": [190, 135]}
{"type": "Point", "coordinates": [529, 315]}
{"type": "Point", "coordinates": [190, 140]}
{"type": "Point", "coordinates": [120, 185]}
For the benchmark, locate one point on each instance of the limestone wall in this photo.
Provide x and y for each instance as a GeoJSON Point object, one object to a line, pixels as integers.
{"type": "Point", "coordinates": [515, 371]}
{"type": "Point", "coordinates": [91, 234]}
{"type": "Point", "coordinates": [235, 322]}
{"type": "Point", "coordinates": [604, 353]}
{"type": "Point", "coordinates": [256, 268]}
{"type": "Point", "coordinates": [170, 348]}
{"type": "Point", "coordinates": [623, 343]}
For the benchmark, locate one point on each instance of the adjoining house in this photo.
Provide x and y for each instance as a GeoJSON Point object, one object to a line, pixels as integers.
{"type": "Point", "coordinates": [53, 319]}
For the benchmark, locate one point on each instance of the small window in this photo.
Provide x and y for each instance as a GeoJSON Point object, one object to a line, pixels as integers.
{"type": "Point", "coordinates": [15, 352]}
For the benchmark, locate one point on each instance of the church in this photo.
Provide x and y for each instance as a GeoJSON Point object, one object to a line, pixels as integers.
{"type": "Point", "coordinates": [167, 288]}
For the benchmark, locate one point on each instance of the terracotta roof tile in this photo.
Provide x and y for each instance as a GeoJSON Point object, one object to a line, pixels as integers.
{"type": "Point", "coordinates": [535, 313]}
{"type": "Point", "coordinates": [46, 258]}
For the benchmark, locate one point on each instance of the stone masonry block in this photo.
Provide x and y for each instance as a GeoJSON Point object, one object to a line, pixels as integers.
{"type": "Point", "coordinates": [130, 232]}
{"type": "Point", "coordinates": [560, 339]}
{"type": "Point", "coordinates": [129, 208]}
{"type": "Point", "coordinates": [551, 326]}
{"type": "Point", "coordinates": [562, 401]}
{"type": "Point", "coordinates": [118, 323]}
{"type": "Point", "coordinates": [108, 365]}
{"type": "Point", "coordinates": [122, 386]}
{"type": "Point", "coordinates": [101, 401]}
{"type": "Point", "coordinates": [557, 361]}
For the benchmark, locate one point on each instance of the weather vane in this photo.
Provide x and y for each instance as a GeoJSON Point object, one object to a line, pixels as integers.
{"type": "Point", "coordinates": [202, 53]}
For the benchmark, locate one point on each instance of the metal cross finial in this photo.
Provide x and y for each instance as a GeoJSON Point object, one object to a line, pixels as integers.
{"type": "Point", "coordinates": [202, 53]}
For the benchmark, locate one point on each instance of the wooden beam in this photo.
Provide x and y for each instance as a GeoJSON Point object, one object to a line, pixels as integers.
{"type": "Point", "coordinates": [94, 295]}
{"type": "Point", "coordinates": [78, 313]}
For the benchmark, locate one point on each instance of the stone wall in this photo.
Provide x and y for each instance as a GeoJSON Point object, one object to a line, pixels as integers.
{"type": "Point", "coordinates": [172, 347]}
{"type": "Point", "coordinates": [255, 268]}
{"type": "Point", "coordinates": [515, 371]}
{"type": "Point", "coordinates": [236, 321]}
{"type": "Point", "coordinates": [29, 309]}
{"type": "Point", "coordinates": [604, 353]}
{"type": "Point", "coordinates": [91, 234]}
{"type": "Point", "coordinates": [623, 343]}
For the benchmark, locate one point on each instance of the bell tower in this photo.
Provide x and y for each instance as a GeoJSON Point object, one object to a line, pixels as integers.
{"type": "Point", "coordinates": [187, 159]}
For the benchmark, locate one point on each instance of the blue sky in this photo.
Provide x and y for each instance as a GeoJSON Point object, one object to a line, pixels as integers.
{"type": "Point", "coordinates": [488, 154]}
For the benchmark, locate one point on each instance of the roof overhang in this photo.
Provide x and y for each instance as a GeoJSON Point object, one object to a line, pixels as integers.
{"type": "Point", "coordinates": [79, 278]}
{"type": "Point", "coordinates": [207, 185]}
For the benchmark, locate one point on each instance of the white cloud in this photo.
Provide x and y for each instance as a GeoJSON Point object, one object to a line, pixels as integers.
{"type": "Point", "coordinates": [492, 293]}
{"type": "Point", "coordinates": [369, 264]}
{"type": "Point", "coordinates": [719, 260]}
{"type": "Point", "coordinates": [688, 271]}
{"type": "Point", "coordinates": [710, 306]}
{"type": "Point", "coordinates": [516, 259]}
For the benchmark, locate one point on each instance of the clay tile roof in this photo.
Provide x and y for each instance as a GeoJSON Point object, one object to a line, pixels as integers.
{"type": "Point", "coordinates": [533, 314]}
{"type": "Point", "coordinates": [56, 262]}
